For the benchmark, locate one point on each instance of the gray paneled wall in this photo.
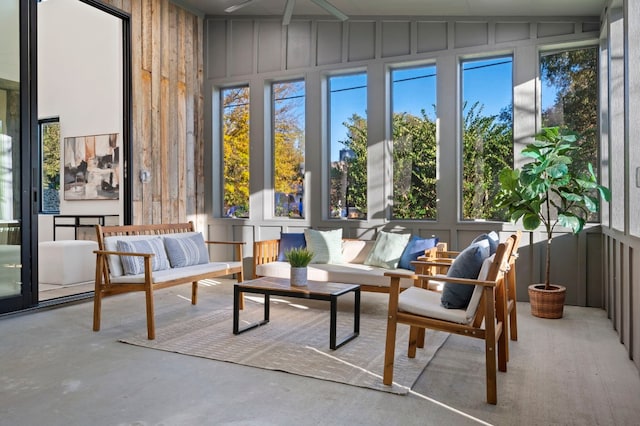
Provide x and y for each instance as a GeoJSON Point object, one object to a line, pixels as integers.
{"type": "Point", "coordinates": [258, 51]}
{"type": "Point", "coordinates": [243, 46]}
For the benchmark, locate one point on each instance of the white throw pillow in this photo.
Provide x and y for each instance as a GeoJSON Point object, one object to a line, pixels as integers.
{"type": "Point", "coordinates": [356, 251]}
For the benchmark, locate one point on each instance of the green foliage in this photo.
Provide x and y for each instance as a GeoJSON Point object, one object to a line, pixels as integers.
{"type": "Point", "coordinates": [414, 167]}
{"type": "Point", "coordinates": [487, 149]}
{"type": "Point", "coordinates": [574, 74]}
{"type": "Point", "coordinates": [299, 257]}
{"type": "Point", "coordinates": [548, 191]}
{"type": "Point", "coordinates": [51, 156]}
{"type": "Point", "coordinates": [357, 165]}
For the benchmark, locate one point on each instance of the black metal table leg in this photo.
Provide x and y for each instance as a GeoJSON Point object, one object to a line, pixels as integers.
{"type": "Point", "coordinates": [236, 312]}
{"type": "Point", "coordinates": [334, 319]}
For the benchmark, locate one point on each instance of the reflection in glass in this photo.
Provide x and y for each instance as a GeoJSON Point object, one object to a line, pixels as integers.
{"type": "Point", "coordinates": [10, 223]}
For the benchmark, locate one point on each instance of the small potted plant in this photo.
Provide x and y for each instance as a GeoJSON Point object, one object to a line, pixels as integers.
{"type": "Point", "coordinates": [299, 258]}
{"type": "Point", "coordinates": [549, 191]}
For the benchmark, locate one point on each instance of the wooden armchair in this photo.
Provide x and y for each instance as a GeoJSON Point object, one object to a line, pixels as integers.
{"type": "Point", "coordinates": [436, 262]}
{"type": "Point", "coordinates": [484, 318]}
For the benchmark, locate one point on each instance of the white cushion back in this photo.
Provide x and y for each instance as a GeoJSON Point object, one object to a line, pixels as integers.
{"type": "Point", "coordinates": [477, 291]}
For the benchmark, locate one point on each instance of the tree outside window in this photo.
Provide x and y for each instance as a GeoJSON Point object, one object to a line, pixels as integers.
{"type": "Point", "coordinates": [288, 144]}
{"type": "Point", "coordinates": [569, 81]}
{"type": "Point", "coordinates": [49, 132]}
{"type": "Point", "coordinates": [348, 135]}
{"type": "Point", "coordinates": [235, 151]}
{"type": "Point", "coordinates": [414, 142]}
{"type": "Point", "coordinates": [570, 98]}
{"type": "Point", "coordinates": [487, 134]}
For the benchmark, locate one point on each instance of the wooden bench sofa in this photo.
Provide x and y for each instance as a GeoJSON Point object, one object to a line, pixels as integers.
{"type": "Point", "coordinates": [118, 269]}
{"type": "Point", "coordinates": [352, 270]}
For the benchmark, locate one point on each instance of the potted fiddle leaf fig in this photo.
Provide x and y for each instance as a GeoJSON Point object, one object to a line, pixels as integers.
{"type": "Point", "coordinates": [299, 258]}
{"type": "Point", "coordinates": [550, 191]}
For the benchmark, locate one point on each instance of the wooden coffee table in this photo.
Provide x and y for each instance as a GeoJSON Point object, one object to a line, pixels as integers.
{"type": "Point", "coordinates": [315, 290]}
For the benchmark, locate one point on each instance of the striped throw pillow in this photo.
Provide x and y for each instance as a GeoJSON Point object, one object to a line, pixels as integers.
{"type": "Point", "coordinates": [186, 251]}
{"type": "Point", "coordinates": [134, 265]}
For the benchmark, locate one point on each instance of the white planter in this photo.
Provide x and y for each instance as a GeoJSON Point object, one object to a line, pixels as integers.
{"type": "Point", "coordinates": [299, 276]}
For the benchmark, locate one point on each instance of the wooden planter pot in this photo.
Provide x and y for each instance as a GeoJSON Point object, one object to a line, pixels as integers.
{"type": "Point", "coordinates": [547, 303]}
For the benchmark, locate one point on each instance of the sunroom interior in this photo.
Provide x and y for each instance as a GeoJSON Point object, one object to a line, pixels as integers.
{"type": "Point", "coordinates": [342, 87]}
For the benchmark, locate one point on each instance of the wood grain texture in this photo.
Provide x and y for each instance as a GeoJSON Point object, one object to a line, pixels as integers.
{"type": "Point", "coordinates": [167, 111]}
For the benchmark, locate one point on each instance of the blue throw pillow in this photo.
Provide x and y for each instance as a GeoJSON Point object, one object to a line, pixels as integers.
{"type": "Point", "coordinates": [415, 248]}
{"type": "Point", "coordinates": [134, 265]}
{"type": "Point", "coordinates": [492, 237]}
{"type": "Point", "coordinates": [289, 241]}
{"type": "Point", "coordinates": [466, 265]}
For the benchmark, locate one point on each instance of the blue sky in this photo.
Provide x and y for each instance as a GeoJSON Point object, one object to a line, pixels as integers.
{"type": "Point", "coordinates": [487, 81]}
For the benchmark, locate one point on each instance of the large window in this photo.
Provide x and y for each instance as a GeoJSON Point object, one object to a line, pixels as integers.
{"type": "Point", "coordinates": [288, 147]}
{"type": "Point", "coordinates": [413, 122]}
{"type": "Point", "coordinates": [235, 130]}
{"type": "Point", "coordinates": [49, 134]}
{"type": "Point", "coordinates": [487, 134]}
{"type": "Point", "coordinates": [569, 81]}
{"type": "Point", "coordinates": [348, 137]}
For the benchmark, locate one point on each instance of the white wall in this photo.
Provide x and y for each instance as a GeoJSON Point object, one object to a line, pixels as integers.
{"type": "Point", "coordinates": [80, 80]}
{"type": "Point", "coordinates": [9, 47]}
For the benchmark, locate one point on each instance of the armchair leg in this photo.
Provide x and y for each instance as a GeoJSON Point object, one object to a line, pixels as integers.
{"type": "Point", "coordinates": [421, 333]}
{"type": "Point", "coordinates": [194, 292]}
{"type": "Point", "coordinates": [413, 341]}
{"type": "Point", "coordinates": [389, 350]}
{"type": "Point", "coordinates": [492, 386]}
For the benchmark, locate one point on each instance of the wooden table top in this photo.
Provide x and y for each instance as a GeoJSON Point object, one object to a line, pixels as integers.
{"type": "Point", "coordinates": [312, 287]}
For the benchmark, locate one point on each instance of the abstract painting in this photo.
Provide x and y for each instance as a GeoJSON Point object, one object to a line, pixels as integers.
{"type": "Point", "coordinates": [91, 167]}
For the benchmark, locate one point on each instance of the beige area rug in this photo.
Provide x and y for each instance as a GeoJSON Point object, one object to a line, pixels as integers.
{"type": "Point", "coordinates": [296, 340]}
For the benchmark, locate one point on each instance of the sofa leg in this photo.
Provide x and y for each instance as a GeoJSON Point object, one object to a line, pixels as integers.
{"type": "Point", "coordinates": [194, 292]}
{"type": "Point", "coordinates": [151, 324]}
{"type": "Point", "coordinates": [97, 306]}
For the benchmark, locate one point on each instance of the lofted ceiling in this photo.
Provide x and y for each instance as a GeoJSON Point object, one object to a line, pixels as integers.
{"type": "Point", "coordinates": [555, 8]}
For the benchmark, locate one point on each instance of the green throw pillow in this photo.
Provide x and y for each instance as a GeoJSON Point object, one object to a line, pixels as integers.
{"type": "Point", "coordinates": [387, 250]}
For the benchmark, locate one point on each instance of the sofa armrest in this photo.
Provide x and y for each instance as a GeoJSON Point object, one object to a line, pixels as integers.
{"type": "Point", "coordinates": [264, 252]}
{"type": "Point", "coordinates": [102, 269]}
{"type": "Point", "coordinates": [237, 246]}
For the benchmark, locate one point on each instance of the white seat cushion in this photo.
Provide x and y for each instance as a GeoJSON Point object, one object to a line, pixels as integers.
{"type": "Point", "coordinates": [173, 273]}
{"type": "Point", "coordinates": [350, 273]}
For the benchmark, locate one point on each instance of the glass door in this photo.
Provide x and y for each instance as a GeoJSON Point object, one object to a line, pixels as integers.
{"type": "Point", "coordinates": [16, 291]}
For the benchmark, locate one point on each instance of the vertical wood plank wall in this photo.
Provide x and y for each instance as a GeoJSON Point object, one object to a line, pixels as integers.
{"type": "Point", "coordinates": [167, 111]}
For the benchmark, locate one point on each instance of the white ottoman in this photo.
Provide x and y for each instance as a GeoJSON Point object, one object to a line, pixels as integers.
{"type": "Point", "coordinates": [66, 262]}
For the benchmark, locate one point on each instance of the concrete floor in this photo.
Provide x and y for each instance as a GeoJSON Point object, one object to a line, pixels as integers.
{"type": "Point", "coordinates": [56, 371]}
